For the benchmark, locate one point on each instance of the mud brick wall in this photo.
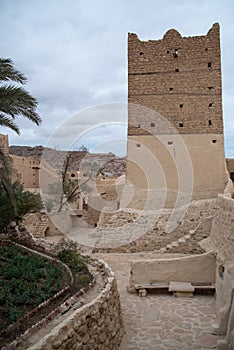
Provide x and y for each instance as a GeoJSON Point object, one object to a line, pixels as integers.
{"type": "Point", "coordinates": [179, 77]}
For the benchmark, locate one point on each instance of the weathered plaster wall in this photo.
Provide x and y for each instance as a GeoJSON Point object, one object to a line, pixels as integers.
{"type": "Point", "coordinates": [184, 167]}
{"type": "Point", "coordinates": [221, 241]}
{"type": "Point", "coordinates": [193, 269]}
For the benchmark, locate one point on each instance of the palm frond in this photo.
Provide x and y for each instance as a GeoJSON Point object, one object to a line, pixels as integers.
{"type": "Point", "coordinates": [7, 122]}
{"type": "Point", "coordinates": [15, 101]}
{"type": "Point", "coordinates": [9, 73]}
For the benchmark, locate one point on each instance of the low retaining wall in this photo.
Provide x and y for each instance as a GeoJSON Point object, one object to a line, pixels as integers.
{"type": "Point", "coordinates": [194, 269]}
{"type": "Point", "coordinates": [96, 325]}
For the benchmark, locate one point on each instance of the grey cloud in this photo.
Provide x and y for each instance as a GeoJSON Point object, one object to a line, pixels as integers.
{"type": "Point", "coordinates": [74, 52]}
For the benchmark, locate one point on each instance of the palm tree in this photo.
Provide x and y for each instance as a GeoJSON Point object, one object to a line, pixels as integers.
{"type": "Point", "coordinates": [15, 101]}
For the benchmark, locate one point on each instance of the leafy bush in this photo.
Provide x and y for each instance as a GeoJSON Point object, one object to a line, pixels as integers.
{"type": "Point", "coordinates": [67, 253]}
{"type": "Point", "coordinates": [26, 281]}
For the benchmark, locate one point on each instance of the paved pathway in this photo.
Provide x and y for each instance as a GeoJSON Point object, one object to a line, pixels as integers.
{"type": "Point", "coordinates": [161, 321]}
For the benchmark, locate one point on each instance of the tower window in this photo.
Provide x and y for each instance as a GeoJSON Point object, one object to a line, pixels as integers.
{"type": "Point", "coordinates": [177, 70]}
{"type": "Point", "coordinates": [152, 125]}
{"type": "Point", "coordinates": [168, 51]}
{"type": "Point", "coordinates": [210, 104]}
{"type": "Point", "coordinates": [181, 105]}
{"type": "Point", "coordinates": [209, 64]}
{"type": "Point", "coordinates": [138, 145]}
{"type": "Point", "coordinates": [141, 53]}
{"type": "Point", "coordinates": [170, 142]}
{"type": "Point", "coordinates": [181, 125]}
{"type": "Point", "coordinates": [210, 87]}
{"type": "Point", "coordinates": [210, 122]}
{"type": "Point", "coordinates": [171, 88]}
{"type": "Point", "coordinates": [214, 141]}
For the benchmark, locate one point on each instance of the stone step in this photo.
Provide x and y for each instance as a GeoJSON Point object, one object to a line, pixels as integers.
{"type": "Point", "coordinates": [37, 235]}
{"type": "Point", "coordinates": [175, 244]}
{"type": "Point", "coordinates": [188, 236]}
{"type": "Point", "coordinates": [162, 250]}
{"type": "Point", "coordinates": [182, 240]}
{"type": "Point", "coordinates": [169, 246]}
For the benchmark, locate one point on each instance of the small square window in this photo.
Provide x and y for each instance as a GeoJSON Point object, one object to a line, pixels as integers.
{"type": "Point", "coordinates": [181, 125]}
{"type": "Point", "coordinates": [177, 70]}
{"type": "Point", "coordinates": [210, 122]}
{"type": "Point", "coordinates": [209, 64]}
{"type": "Point", "coordinates": [171, 88]}
{"type": "Point", "coordinates": [210, 104]}
{"type": "Point", "coordinates": [138, 145]}
{"type": "Point", "coordinates": [210, 87]}
{"type": "Point", "coordinates": [152, 125]}
{"type": "Point", "coordinates": [181, 105]}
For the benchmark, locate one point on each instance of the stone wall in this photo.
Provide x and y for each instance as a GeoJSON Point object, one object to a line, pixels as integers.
{"type": "Point", "coordinates": [221, 241]}
{"type": "Point", "coordinates": [180, 78]}
{"type": "Point", "coordinates": [96, 325]}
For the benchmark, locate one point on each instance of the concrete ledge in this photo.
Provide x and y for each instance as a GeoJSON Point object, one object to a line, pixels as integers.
{"type": "Point", "coordinates": [194, 269]}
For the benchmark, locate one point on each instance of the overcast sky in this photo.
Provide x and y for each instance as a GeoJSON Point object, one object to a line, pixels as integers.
{"type": "Point", "coordinates": [74, 54]}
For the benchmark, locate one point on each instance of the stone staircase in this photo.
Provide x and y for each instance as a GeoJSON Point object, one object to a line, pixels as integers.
{"type": "Point", "coordinates": [185, 239]}
{"type": "Point", "coordinates": [39, 231]}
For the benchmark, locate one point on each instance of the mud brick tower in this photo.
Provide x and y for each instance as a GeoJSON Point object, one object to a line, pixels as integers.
{"type": "Point", "coordinates": [175, 117]}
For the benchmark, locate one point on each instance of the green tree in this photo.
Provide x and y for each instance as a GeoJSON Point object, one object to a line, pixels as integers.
{"type": "Point", "coordinates": [26, 202]}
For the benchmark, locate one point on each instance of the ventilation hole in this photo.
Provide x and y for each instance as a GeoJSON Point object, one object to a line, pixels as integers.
{"type": "Point", "coordinates": [210, 122]}
{"type": "Point", "coordinates": [152, 125]}
{"type": "Point", "coordinates": [141, 53]}
{"type": "Point", "coordinates": [210, 87]}
{"type": "Point", "coordinates": [170, 88]}
{"type": "Point", "coordinates": [206, 49]}
{"type": "Point", "coordinates": [168, 51]}
{"type": "Point", "coordinates": [210, 104]}
{"type": "Point", "coordinates": [73, 175]}
{"type": "Point", "coordinates": [177, 70]}
{"type": "Point", "coordinates": [209, 64]}
{"type": "Point", "coordinates": [138, 145]}
{"type": "Point", "coordinates": [181, 125]}
{"type": "Point", "coordinates": [214, 141]}
{"type": "Point", "coordinates": [170, 142]}
{"type": "Point", "coordinates": [139, 125]}
{"type": "Point", "coordinates": [221, 270]}
{"type": "Point", "coordinates": [175, 54]}
{"type": "Point", "coordinates": [181, 105]}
